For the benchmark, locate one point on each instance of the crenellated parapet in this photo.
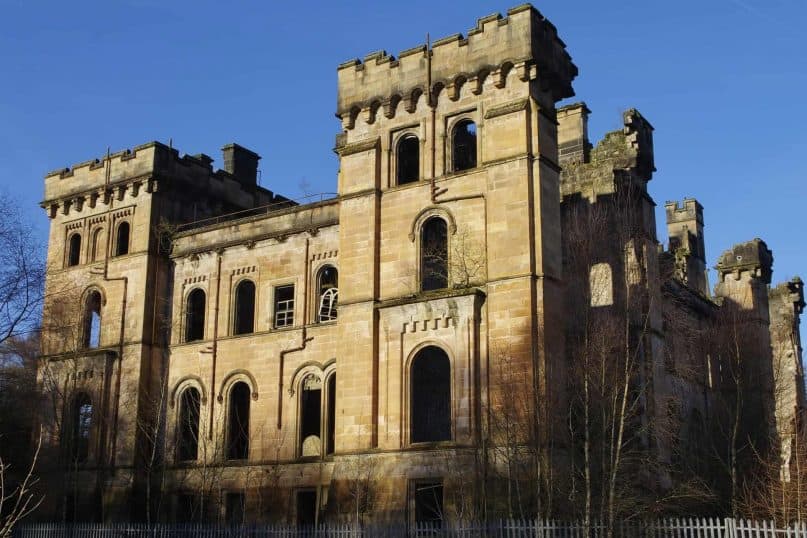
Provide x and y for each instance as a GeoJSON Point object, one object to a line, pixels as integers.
{"type": "Point", "coordinates": [752, 259]}
{"type": "Point", "coordinates": [524, 41]}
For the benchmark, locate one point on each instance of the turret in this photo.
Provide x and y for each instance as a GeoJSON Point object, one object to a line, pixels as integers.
{"type": "Point", "coordinates": [685, 230]}
{"type": "Point", "coordinates": [573, 143]}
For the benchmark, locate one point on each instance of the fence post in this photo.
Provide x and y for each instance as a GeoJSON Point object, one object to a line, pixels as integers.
{"type": "Point", "coordinates": [730, 528]}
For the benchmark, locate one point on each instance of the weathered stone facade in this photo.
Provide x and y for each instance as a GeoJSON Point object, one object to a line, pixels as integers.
{"type": "Point", "coordinates": [218, 372]}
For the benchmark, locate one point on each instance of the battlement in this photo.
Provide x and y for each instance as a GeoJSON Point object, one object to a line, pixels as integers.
{"type": "Point", "coordinates": [688, 211]}
{"type": "Point", "coordinates": [524, 40]}
{"type": "Point", "coordinates": [753, 257]}
{"type": "Point", "coordinates": [791, 292]}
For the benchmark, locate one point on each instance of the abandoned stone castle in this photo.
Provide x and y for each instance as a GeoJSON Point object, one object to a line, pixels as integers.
{"type": "Point", "coordinates": [224, 352]}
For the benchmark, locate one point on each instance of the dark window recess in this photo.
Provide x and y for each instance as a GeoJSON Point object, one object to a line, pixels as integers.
{"type": "Point", "coordinates": [284, 306]}
{"type": "Point", "coordinates": [189, 425]}
{"type": "Point", "coordinates": [238, 423]}
{"type": "Point", "coordinates": [431, 396]}
{"type": "Point", "coordinates": [235, 508]}
{"type": "Point", "coordinates": [408, 160]}
{"type": "Point", "coordinates": [328, 293]}
{"type": "Point", "coordinates": [195, 316]}
{"type": "Point", "coordinates": [464, 145]}
{"type": "Point", "coordinates": [92, 320]}
{"type": "Point", "coordinates": [122, 239]}
{"type": "Point", "coordinates": [434, 255]}
{"type": "Point", "coordinates": [330, 438]}
{"type": "Point", "coordinates": [81, 425]}
{"type": "Point", "coordinates": [74, 250]}
{"type": "Point", "coordinates": [244, 307]}
{"type": "Point", "coordinates": [429, 503]}
{"type": "Point", "coordinates": [306, 508]}
{"type": "Point", "coordinates": [311, 416]}
{"type": "Point", "coordinates": [188, 509]}
{"type": "Point", "coordinates": [97, 248]}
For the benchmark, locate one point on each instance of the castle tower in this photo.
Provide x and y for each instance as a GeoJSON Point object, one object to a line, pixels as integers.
{"type": "Point", "coordinates": [450, 229]}
{"type": "Point", "coordinates": [685, 230]}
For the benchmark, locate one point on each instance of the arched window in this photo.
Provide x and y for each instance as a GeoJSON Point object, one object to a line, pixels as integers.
{"type": "Point", "coordinates": [74, 250]}
{"type": "Point", "coordinates": [122, 239]}
{"type": "Point", "coordinates": [463, 148]}
{"type": "Point", "coordinates": [238, 422]}
{"type": "Point", "coordinates": [328, 286]}
{"type": "Point", "coordinates": [97, 248]}
{"type": "Point", "coordinates": [311, 416]}
{"type": "Point", "coordinates": [430, 389]}
{"type": "Point", "coordinates": [434, 255]}
{"type": "Point", "coordinates": [195, 316]}
{"type": "Point", "coordinates": [188, 426]}
{"type": "Point", "coordinates": [92, 320]}
{"type": "Point", "coordinates": [80, 426]}
{"type": "Point", "coordinates": [408, 159]}
{"type": "Point", "coordinates": [244, 307]}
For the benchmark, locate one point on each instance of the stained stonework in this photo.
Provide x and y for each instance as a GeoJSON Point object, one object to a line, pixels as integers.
{"type": "Point", "coordinates": [217, 374]}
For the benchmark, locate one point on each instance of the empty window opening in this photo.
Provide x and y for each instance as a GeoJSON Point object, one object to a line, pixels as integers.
{"type": "Point", "coordinates": [601, 285]}
{"type": "Point", "coordinates": [97, 248]}
{"type": "Point", "coordinates": [244, 307]}
{"type": "Point", "coordinates": [328, 284]}
{"type": "Point", "coordinates": [188, 448]}
{"type": "Point", "coordinates": [122, 239]}
{"type": "Point", "coordinates": [311, 416]}
{"type": "Point", "coordinates": [74, 250]}
{"type": "Point", "coordinates": [235, 508]}
{"type": "Point", "coordinates": [429, 503]}
{"type": "Point", "coordinates": [464, 145]}
{"type": "Point", "coordinates": [284, 306]}
{"type": "Point", "coordinates": [92, 320]}
{"type": "Point", "coordinates": [431, 396]}
{"type": "Point", "coordinates": [306, 508]}
{"type": "Point", "coordinates": [238, 423]}
{"type": "Point", "coordinates": [195, 316]}
{"type": "Point", "coordinates": [408, 159]}
{"type": "Point", "coordinates": [187, 509]}
{"type": "Point", "coordinates": [434, 255]}
{"type": "Point", "coordinates": [330, 446]}
{"type": "Point", "coordinates": [81, 425]}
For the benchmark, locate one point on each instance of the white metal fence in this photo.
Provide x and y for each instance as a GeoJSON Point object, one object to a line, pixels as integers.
{"type": "Point", "coordinates": [667, 528]}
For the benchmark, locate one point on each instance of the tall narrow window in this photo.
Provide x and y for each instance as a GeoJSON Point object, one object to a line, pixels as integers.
{"type": "Point", "coordinates": [464, 145]}
{"type": "Point", "coordinates": [244, 307]}
{"type": "Point", "coordinates": [195, 316]}
{"type": "Point", "coordinates": [328, 284]}
{"type": "Point", "coordinates": [92, 320]}
{"type": "Point", "coordinates": [74, 250]}
{"type": "Point", "coordinates": [330, 445]}
{"type": "Point", "coordinates": [188, 435]}
{"type": "Point", "coordinates": [238, 422]}
{"type": "Point", "coordinates": [429, 503]}
{"type": "Point", "coordinates": [601, 285]}
{"type": "Point", "coordinates": [311, 416]}
{"type": "Point", "coordinates": [408, 161]}
{"type": "Point", "coordinates": [81, 425]}
{"type": "Point", "coordinates": [430, 391]}
{"type": "Point", "coordinates": [97, 247]}
{"type": "Point", "coordinates": [122, 239]}
{"type": "Point", "coordinates": [434, 255]}
{"type": "Point", "coordinates": [284, 306]}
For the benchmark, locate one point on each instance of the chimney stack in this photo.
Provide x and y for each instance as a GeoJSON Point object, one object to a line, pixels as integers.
{"type": "Point", "coordinates": [242, 163]}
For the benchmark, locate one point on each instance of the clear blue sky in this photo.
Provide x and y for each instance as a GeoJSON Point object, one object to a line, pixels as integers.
{"type": "Point", "coordinates": [724, 83]}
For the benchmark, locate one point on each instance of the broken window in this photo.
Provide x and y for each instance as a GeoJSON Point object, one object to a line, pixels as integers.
{"type": "Point", "coordinates": [97, 248]}
{"type": "Point", "coordinates": [601, 285]}
{"type": "Point", "coordinates": [188, 435]}
{"type": "Point", "coordinates": [429, 503]}
{"type": "Point", "coordinates": [434, 255]}
{"type": "Point", "coordinates": [284, 306]}
{"type": "Point", "coordinates": [238, 422]}
{"type": "Point", "coordinates": [81, 425]}
{"type": "Point", "coordinates": [408, 159]}
{"type": "Point", "coordinates": [122, 239]}
{"type": "Point", "coordinates": [306, 507]}
{"type": "Point", "coordinates": [195, 316]}
{"type": "Point", "coordinates": [464, 145]}
{"type": "Point", "coordinates": [74, 250]}
{"type": "Point", "coordinates": [244, 307]}
{"type": "Point", "coordinates": [92, 320]}
{"type": "Point", "coordinates": [311, 416]}
{"type": "Point", "coordinates": [328, 284]}
{"type": "Point", "coordinates": [430, 418]}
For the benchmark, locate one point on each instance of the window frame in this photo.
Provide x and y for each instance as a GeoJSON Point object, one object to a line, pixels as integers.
{"type": "Point", "coordinates": [86, 316]}
{"type": "Point", "coordinates": [228, 440]}
{"type": "Point", "coordinates": [317, 296]}
{"type": "Point", "coordinates": [235, 309]}
{"type": "Point", "coordinates": [451, 129]}
{"type": "Point", "coordinates": [117, 246]}
{"type": "Point", "coordinates": [68, 262]}
{"type": "Point", "coordinates": [275, 303]}
{"type": "Point", "coordinates": [421, 254]}
{"type": "Point", "coordinates": [179, 423]}
{"type": "Point", "coordinates": [410, 395]}
{"type": "Point", "coordinates": [399, 139]}
{"type": "Point", "coordinates": [186, 313]}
